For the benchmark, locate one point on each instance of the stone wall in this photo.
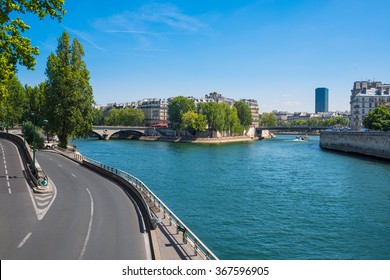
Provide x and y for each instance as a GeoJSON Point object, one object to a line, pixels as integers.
{"type": "Point", "coordinates": [376, 144]}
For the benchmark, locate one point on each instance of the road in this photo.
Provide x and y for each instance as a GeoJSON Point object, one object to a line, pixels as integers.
{"type": "Point", "coordinates": [85, 217]}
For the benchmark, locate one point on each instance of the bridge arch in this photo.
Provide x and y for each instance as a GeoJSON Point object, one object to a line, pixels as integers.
{"type": "Point", "coordinates": [106, 132]}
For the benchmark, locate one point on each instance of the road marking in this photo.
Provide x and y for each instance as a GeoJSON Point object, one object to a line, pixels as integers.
{"type": "Point", "coordinates": [9, 190]}
{"type": "Point", "coordinates": [6, 172]}
{"type": "Point", "coordinates": [8, 184]}
{"type": "Point", "coordinates": [73, 175]}
{"type": "Point", "coordinates": [89, 227]}
{"type": "Point", "coordinates": [60, 165]}
{"type": "Point", "coordinates": [24, 240]}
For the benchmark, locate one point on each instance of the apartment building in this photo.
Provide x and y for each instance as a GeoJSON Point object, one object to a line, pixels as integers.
{"type": "Point", "coordinates": [365, 96]}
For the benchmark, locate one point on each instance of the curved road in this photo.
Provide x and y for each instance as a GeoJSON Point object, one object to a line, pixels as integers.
{"type": "Point", "coordinates": [86, 216]}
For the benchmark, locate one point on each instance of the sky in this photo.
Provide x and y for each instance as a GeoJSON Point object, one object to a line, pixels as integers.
{"type": "Point", "coordinates": [274, 51]}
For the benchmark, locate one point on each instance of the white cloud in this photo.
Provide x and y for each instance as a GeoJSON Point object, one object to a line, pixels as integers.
{"type": "Point", "coordinates": [150, 19]}
{"type": "Point", "coordinates": [84, 36]}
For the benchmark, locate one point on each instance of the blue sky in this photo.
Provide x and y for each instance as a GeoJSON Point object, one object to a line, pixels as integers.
{"type": "Point", "coordinates": [274, 51]}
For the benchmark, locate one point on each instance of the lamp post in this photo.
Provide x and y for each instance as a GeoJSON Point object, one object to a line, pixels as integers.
{"type": "Point", "coordinates": [34, 144]}
{"type": "Point", "coordinates": [24, 130]}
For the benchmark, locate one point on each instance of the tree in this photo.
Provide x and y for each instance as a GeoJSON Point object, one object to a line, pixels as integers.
{"type": "Point", "coordinates": [68, 92]}
{"type": "Point", "coordinates": [36, 102]}
{"type": "Point", "coordinates": [15, 102]}
{"type": "Point", "coordinates": [126, 117]}
{"type": "Point", "coordinates": [193, 122]}
{"type": "Point", "coordinates": [378, 119]}
{"type": "Point", "coordinates": [215, 115]}
{"type": "Point", "coordinates": [14, 48]}
{"type": "Point", "coordinates": [97, 116]}
{"type": "Point", "coordinates": [244, 113]}
{"type": "Point", "coordinates": [177, 107]}
{"type": "Point", "coordinates": [268, 119]}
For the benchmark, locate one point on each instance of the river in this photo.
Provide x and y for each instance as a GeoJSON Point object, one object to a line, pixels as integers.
{"type": "Point", "coordinates": [268, 199]}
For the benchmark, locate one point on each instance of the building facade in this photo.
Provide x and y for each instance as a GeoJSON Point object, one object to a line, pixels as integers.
{"type": "Point", "coordinates": [254, 110]}
{"type": "Point", "coordinates": [322, 98]}
{"type": "Point", "coordinates": [155, 111]}
{"type": "Point", "coordinates": [366, 96]}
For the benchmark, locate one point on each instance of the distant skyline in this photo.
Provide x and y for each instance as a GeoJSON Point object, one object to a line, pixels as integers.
{"type": "Point", "coordinates": [275, 51]}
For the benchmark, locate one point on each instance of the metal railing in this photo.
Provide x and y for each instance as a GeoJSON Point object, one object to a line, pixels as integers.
{"type": "Point", "coordinates": [188, 236]}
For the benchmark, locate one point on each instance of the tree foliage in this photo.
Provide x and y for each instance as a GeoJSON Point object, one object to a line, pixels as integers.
{"type": "Point", "coordinates": [125, 117]}
{"type": "Point", "coordinates": [193, 122]}
{"type": "Point", "coordinates": [215, 115]}
{"type": "Point", "coordinates": [244, 113]}
{"type": "Point", "coordinates": [14, 102]}
{"type": "Point", "coordinates": [14, 48]}
{"type": "Point", "coordinates": [268, 119]}
{"type": "Point", "coordinates": [378, 119]}
{"type": "Point", "coordinates": [177, 107]}
{"type": "Point", "coordinates": [36, 103]}
{"type": "Point", "coordinates": [68, 92]}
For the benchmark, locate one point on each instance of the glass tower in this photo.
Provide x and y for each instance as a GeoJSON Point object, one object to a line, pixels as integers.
{"type": "Point", "coordinates": [322, 95]}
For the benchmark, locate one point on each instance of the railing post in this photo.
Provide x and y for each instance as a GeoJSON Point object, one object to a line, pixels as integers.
{"type": "Point", "coordinates": [195, 247]}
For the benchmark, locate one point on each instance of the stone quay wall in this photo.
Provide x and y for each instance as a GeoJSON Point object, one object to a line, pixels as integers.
{"type": "Point", "coordinates": [375, 144]}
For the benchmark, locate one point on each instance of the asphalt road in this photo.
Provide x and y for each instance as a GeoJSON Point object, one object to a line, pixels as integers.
{"type": "Point", "coordinates": [86, 217]}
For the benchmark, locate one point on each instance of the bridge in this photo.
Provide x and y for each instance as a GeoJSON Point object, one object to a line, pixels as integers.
{"type": "Point", "coordinates": [106, 132]}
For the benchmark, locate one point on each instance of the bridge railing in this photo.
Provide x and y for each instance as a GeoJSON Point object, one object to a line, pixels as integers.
{"type": "Point", "coordinates": [188, 236]}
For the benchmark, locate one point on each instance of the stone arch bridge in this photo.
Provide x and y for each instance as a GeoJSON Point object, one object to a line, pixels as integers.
{"type": "Point", "coordinates": [106, 132]}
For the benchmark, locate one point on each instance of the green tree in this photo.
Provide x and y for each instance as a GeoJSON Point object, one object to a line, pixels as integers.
{"type": "Point", "coordinates": [215, 115]}
{"type": "Point", "coordinates": [15, 102]}
{"type": "Point", "coordinates": [193, 122]}
{"type": "Point", "coordinates": [177, 107]}
{"type": "Point", "coordinates": [125, 117]}
{"type": "Point", "coordinates": [268, 119]}
{"type": "Point", "coordinates": [244, 113]}
{"type": "Point", "coordinates": [14, 48]}
{"type": "Point", "coordinates": [68, 92]}
{"type": "Point", "coordinates": [298, 123]}
{"type": "Point", "coordinates": [29, 134]}
{"type": "Point", "coordinates": [378, 119]}
{"type": "Point", "coordinates": [97, 116]}
{"type": "Point", "coordinates": [36, 102]}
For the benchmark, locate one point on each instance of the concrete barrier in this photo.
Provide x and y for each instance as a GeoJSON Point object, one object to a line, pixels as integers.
{"type": "Point", "coordinates": [368, 143]}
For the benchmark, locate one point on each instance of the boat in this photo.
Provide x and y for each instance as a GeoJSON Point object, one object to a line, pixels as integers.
{"type": "Point", "coordinates": [301, 138]}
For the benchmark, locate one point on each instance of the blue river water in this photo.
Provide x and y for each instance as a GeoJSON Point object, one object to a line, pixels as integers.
{"type": "Point", "coordinates": [269, 199]}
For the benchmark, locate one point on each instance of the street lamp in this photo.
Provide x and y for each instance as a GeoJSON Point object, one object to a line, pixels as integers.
{"type": "Point", "coordinates": [34, 144]}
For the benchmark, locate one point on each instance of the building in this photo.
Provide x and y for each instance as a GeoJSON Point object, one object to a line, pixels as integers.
{"type": "Point", "coordinates": [254, 110]}
{"type": "Point", "coordinates": [322, 96]}
{"type": "Point", "coordinates": [155, 111]}
{"type": "Point", "coordinates": [365, 96]}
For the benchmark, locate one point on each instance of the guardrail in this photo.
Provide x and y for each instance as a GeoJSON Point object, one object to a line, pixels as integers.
{"type": "Point", "coordinates": [188, 236]}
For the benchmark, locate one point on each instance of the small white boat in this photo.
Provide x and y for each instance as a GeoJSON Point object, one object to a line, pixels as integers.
{"type": "Point", "coordinates": [301, 138]}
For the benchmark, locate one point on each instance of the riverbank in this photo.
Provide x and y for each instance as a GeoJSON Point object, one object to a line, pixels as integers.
{"type": "Point", "coordinates": [218, 140]}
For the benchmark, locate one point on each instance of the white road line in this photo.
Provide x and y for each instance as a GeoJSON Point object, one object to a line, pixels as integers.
{"type": "Point", "coordinates": [9, 190]}
{"type": "Point", "coordinates": [8, 184]}
{"type": "Point", "coordinates": [89, 227]}
{"type": "Point", "coordinates": [60, 165]}
{"type": "Point", "coordinates": [73, 175]}
{"type": "Point", "coordinates": [24, 240]}
{"type": "Point", "coordinates": [6, 172]}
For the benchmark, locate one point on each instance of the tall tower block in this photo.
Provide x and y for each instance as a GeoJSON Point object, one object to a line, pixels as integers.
{"type": "Point", "coordinates": [322, 97]}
